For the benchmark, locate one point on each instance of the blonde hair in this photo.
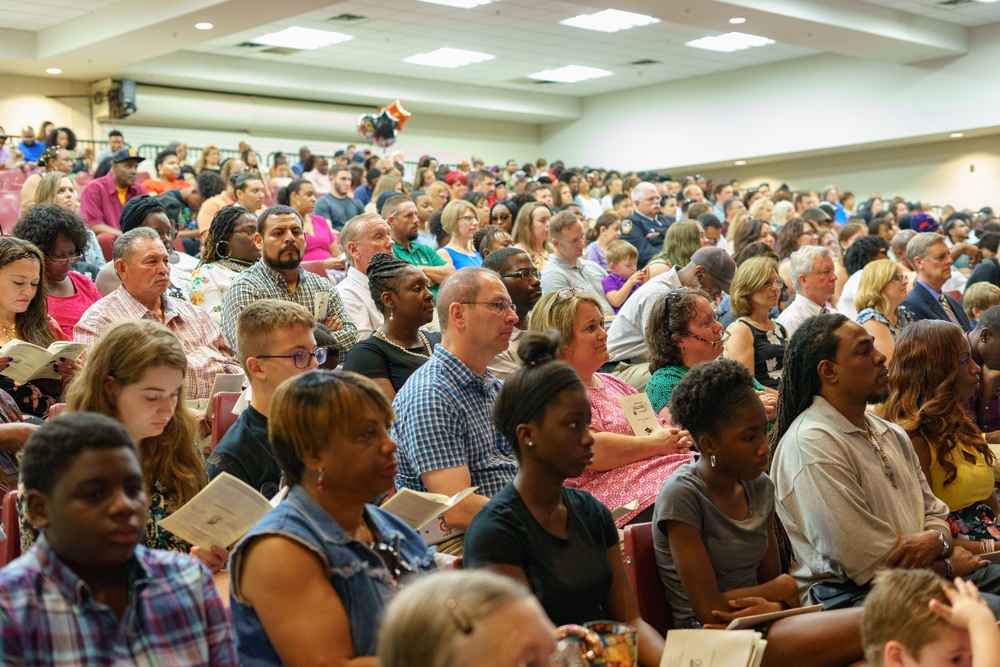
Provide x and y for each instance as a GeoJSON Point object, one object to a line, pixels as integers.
{"type": "Point", "coordinates": [619, 251]}
{"type": "Point", "coordinates": [557, 311]}
{"type": "Point", "coordinates": [521, 231]}
{"type": "Point", "coordinates": [897, 609]}
{"type": "Point", "coordinates": [202, 163]}
{"type": "Point", "coordinates": [758, 205]}
{"type": "Point", "coordinates": [49, 185]}
{"type": "Point", "coordinates": [874, 278]}
{"type": "Point", "coordinates": [750, 277]}
{"type": "Point", "coordinates": [124, 352]}
{"type": "Point", "coordinates": [434, 193]}
{"type": "Point", "coordinates": [682, 240]}
{"type": "Point", "coordinates": [386, 183]}
{"type": "Point", "coordinates": [453, 211]}
{"type": "Point", "coordinates": [980, 296]}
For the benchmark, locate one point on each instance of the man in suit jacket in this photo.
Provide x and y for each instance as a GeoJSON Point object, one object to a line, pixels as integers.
{"type": "Point", "coordinates": [929, 255]}
{"type": "Point", "coordinates": [645, 228]}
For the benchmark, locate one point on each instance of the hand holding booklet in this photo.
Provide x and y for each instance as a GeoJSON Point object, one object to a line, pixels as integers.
{"type": "Point", "coordinates": [418, 508]}
{"type": "Point", "coordinates": [221, 513]}
{"type": "Point", "coordinates": [31, 362]}
{"type": "Point", "coordinates": [713, 648]}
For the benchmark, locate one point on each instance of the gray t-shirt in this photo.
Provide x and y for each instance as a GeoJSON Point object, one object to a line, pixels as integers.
{"type": "Point", "coordinates": [735, 548]}
{"type": "Point", "coordinates": [338, 210]}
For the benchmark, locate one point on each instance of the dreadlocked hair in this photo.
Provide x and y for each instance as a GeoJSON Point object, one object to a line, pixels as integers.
{"type": "Point", "coordinates": [384, 272]}
{"type": "Point", "coordinates": [221, 229]}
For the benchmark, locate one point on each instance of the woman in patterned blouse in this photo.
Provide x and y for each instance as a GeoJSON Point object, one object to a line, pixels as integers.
{"type": "Point", "coordinates": [228, 250]}
{"type": "Point", "coordinates": [882, 289]}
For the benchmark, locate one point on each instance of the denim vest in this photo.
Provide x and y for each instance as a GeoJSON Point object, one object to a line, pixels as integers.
{"type": "Point", "coordinates": [356, 573]}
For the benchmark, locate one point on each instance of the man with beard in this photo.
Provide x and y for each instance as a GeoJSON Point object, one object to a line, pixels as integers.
{"type": "Point", "coordinates": [278, 275]}
{"type": "Point", "coordinates": [404, 222]}
{"type": "Point", "coordinates": [102, 200]}
{"type": "Point", "coordinates": [336, 205]}
{"type": "Point", "coordinates": [849, 490]}
{"type": "Point", "coordinates": [523, 283]}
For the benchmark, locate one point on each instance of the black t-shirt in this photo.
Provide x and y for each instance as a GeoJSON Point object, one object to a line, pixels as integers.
{"type": "Point", "coordinates": [375, 358]}
{"type": "Point", "coordinates": [245, 452]}
{"type": "Point", "coordinates": [987, 271]}
{"type": "Point", "coordinates": [571, 577]}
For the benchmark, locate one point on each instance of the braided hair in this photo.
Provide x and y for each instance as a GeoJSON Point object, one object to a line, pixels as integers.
{"type": "Point", "coordinates": [137, 209]}
{"type": "Point", "coordinates": [384, 272]}
{"type": "Point", "coordinates": [48, 155]}
{"type": "Point", "coordinates": [223, 224]}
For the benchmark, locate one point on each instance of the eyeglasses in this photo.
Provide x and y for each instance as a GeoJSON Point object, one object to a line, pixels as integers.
{"type": "Point", "coordinates": [468, 217]}
{"type": "Point", "coordinates": [898, 277]}
{"type": "Point", "coordinates": [712, 241]}
{"type": "Point", "coordinates": [72, 259]}
{"type": "Point", "coordinates": [500, 216]}
{"type": "Point", "coordinates": [716, 344]}
{"type": "Point", "coordinates": [301, 359]}
{"type": "Point", "coordinates": [399, 570]}
{"type": "Point", "coordinates": [524, 274]}
{"type": "Point", "coordinates": [566, 293]}
{"type": "Point", "coordinates": [501, 306]}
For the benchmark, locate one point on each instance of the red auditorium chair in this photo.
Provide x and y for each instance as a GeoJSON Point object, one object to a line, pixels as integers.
{"type": "Point", "coordinates": [10, 210]}
{"type": "Point", "coordinates": [11, 526]}
{"type": "Point", "coordinates": [315, 266]}
{"type": "Point", "coordinates": [640, 566]}
{"type": "Point", "coordinates": [222, 414]}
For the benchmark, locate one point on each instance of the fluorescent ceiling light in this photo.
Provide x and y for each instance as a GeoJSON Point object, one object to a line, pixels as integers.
{"type": "Point", "coordinates": [459, 4]}
{"type": "Point", "coordinates": [609, 20]}
{"type": "Point", "coordinates": [301, 38]}
{"type": "Point", "coordinates": [570, 74]}
{"type": "Point", "coordinates": [729, 42]}
{"type": "Point", "coordinates": [53, 70]}
{"type": "Point", "coordinates": [736, 20]}
{"type": "Point", "coordinates": [203, 26]}
{"type": "Point", "coordinates": [984, 1]}
{"type": "Point", "coordinates": [957, 135]}
{"type": "Point", "coordinates": [448, 57]}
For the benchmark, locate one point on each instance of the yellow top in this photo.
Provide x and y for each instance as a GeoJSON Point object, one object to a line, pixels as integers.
{"type": "Point", "coordinates": [972, 484]}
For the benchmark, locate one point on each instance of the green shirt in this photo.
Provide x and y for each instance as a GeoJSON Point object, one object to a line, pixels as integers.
{"type": "Point", "coordinates": [662, 383]}
{"type": "Point", "coordinates": [419, 255]}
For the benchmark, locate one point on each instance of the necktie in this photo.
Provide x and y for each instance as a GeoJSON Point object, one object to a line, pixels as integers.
{"type": "Point", "coordinates": [947, 309]}
{"type": "Point", "coordinates": [824, 310]}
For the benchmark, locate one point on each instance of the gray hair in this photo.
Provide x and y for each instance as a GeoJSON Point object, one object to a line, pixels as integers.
{"type": "Point", "coordinates": [803, 261]}
{"type": "Point", "coordinates": [354, 230]}
{"type": "Point", "coordinates": [921, 244]}
{"type": "Point", "coordinates": [125, 244]}
{"type": "Point", "coordinates": [639, 190]}
{"type": "Point", "coordinates": [461, 287]}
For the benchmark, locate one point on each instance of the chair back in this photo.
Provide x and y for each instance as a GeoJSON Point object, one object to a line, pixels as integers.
{"type": "Point", "coordinates": [222, 414]}
{"type": "Point", "coordinates": [640, 565]}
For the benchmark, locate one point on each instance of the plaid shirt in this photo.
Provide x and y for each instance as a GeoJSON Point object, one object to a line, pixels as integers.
{"type": "Point", "coordinates": [208, 353]}
{"type": "Point", "coordinates": [444, 422]}
{"type": "Point", "coordinates": [174, 616]}
{"type": "Point", "coordinates": [260, 281]}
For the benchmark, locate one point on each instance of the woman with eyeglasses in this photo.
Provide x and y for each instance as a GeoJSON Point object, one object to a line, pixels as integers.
{"type": "Point", "coordinates": [399, 347]}
{"type": "Point", "coordinates": [460, 219]}
{"type": "Point", "coordinates": [312, 578]}
{"type": "Point", "coordinates": [540, 531]}
{"type": "Point", "coordinates": [792, 236]}
{"type": "Point", "coordinates": [755, 340]}
{"type": "Point", "coordinates": [627, 467]}
{"type": "Point", "coordinates": [502, 214]}
{"type": "Point", "coordinates": [881, 292]}
{"type": "Point", "coordinates": [227, 251]}
{"type": "Point", "coordinates": [61, 235]}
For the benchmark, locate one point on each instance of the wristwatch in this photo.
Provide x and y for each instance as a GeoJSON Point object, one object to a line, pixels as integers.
{"type": "Point", "coordinates": [947, 547]}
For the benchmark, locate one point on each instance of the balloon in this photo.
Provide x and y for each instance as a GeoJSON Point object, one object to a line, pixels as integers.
{"type": "Point", "coordinates": [385, 129]}
{"type": "Point", "coordinates": [397, 111]}
{"type": "Point", "coordinates": [366, 126]}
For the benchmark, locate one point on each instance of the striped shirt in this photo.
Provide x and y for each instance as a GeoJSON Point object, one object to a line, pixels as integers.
{"type": "Point", "coordinates": [208, 353]}
{"type": "Point", "coordinates": [260, 281]}
{"type": "Point", "coordinates": [174, 614]}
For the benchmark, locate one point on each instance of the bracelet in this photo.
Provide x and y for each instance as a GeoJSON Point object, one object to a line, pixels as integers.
{"type": "Point", "coordinates": [946, 546]}
{"type": "Point", "coordinates": [950, 574]}
{"type": "Point", "coordinates": [989, 545]}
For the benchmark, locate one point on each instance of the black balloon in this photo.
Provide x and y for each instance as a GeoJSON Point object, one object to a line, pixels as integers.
{"type": "Point", "coordinates": [385, 129]}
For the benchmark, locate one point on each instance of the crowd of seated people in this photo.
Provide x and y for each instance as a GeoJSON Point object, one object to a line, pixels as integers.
{"type": "Point", "coordinates": [859, 370]}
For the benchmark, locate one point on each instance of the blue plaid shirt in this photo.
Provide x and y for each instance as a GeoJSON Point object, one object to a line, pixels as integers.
{"type": "Point", "coordinates": [175, 616]}
{"type": "Point", "coordinates": [444, 421]}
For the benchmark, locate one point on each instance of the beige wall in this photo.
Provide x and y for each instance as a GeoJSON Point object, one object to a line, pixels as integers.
{"type": "Point", "coordinates": [24, 101]}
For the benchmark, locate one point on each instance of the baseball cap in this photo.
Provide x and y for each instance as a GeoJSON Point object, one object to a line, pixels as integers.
{"type": "Point", "coordinates": [924, 222]}
{"type": "Point", "coordinates": [340, 153]}
{"type": "Point", "coordinates": [717, 263]}
{"type": "Point", "coordinates": [124, 154]}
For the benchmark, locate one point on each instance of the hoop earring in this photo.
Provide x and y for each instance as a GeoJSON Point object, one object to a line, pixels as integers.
{"type": "Point", "coordinates": [229, 250]}
{"type": "Point", "coordinates": [711, 459]}
{"type": "Point", "coordinates": [319, 480]}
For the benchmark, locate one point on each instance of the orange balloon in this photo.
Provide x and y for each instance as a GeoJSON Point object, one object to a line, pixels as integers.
{"type": "Point", "coordinates": [398, 112]}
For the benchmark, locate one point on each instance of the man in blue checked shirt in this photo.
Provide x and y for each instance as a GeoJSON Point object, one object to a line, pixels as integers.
{"type": "Point", "coordinates": [87, 594]}
{"type": "Point", "coordinates": [443, 422]}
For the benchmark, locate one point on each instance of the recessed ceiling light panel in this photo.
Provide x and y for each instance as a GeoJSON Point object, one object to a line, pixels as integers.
{"type": "Point", "coordinates": [448, 57]}
{"type": "Point", "coordinates": [957, 135]}
{"type": "Point", "coordinates": [736, 20]}
{"type": "Point", "coordinates": [740, 163]}
{"type": "Point", "coordinates": [203, 26]}
{"type": "Point", "coordinates": [53, 70]}
{"type": "Point", "coordinates": [305, 39]}
{"type": "Point", "coordinates": [459, 4]}
{"type": "Point", "coordinates": [609, 20]}
{"type": "Point", "coordinates": [729, 42]}
{"type": "Point", "coordinates": [570, 74]}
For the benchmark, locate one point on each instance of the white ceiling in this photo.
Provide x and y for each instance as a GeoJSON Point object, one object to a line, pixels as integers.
{"type": "Point", "coordinates": [156, 44]}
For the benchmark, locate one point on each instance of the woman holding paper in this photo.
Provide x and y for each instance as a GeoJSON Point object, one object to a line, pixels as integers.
{"type": "Point", "coordinates": [311, 579]}
{"type": "Point", "coordinates": [713, 529]}
{"type": "Point", "coordinates": [559, 541]}
{"type": "Point", "coordinates": [24, 316]}
{"type": "Point", "coordinates": [626, 467]}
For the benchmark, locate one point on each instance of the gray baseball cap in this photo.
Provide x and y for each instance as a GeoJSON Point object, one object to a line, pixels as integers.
{"type": "Point", "coordinates": [717, 263]}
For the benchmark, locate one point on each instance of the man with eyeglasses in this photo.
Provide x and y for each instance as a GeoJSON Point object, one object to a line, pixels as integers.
{"type": "Point", "coordinates": [523, 283]}
{"type": "Point", "coordinates": [815, 282]}
{"type": "Point", "coordinates": [274, 342]}
{"type": "Point", "coordinates": [400, 212]}
{"type": "Point", "coordinates": [645, 228]}
{"type": "Point", "coordinates": [566, 267]}
{"type": "Point", "coordinates": [444, 427]}
{"type": "Point", "coordinates": [143, 264]}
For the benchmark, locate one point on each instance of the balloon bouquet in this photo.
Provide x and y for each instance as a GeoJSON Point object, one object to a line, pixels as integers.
{"type": "Point", "coordinates": [381, 128]}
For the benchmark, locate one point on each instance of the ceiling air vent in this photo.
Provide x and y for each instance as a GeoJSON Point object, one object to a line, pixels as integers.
{"type": "Point", "coordinates": [528, 81]}
{"type": "Point", "coordinates": [249, 45]}
{"type": "Point", "coordinates": [281, 51]}
{"type": "Point", "coordinates": [645, 62]}
{"type": "Point", "coordinates": [955, 3]}
{"type": "Point", "coordinates": [346, 18]}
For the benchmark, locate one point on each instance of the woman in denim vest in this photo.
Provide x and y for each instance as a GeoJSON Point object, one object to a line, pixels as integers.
{"type": "Point", "coordinates": [311, 579]}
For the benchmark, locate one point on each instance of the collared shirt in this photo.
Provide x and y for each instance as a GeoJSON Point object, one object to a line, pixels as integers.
{"type": "Point", "coordinates": [260, 281]}
{"type": "Point", "coordinates": [838, 503]}
{"type": "Point", "coordinates": [798, 311]}
{"type": "Point", "coordinates": [646, 234]}
{"type": "Point", "coordinates": [627, 334]}
{"type": "Point", "coordinates": [99, 202]}
{"type": "Point", "coordinates": [505, 363]}
{"type": "Point", "coordinates": [208, 353]}
{"type": "Point", "coordinates": [419, 254]}
{"type": "Point", "coordinates": [174, 614]}
{"type": "Point", "coordinates": [444, 421]}
{"type": "Point", "coordinates": [210, 207]}
{"type": "Point", "coordinates": [559, 274]}
{"type": "Point", "coordinates": [357, 300]}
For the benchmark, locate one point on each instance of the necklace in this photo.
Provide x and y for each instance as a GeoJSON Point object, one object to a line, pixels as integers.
{"type": "Point", "coordinates": [9, 330]}
{"type": "Point", "coordinates": [420, 335]}
{"type": "Point", "coordinates": [876, 442]}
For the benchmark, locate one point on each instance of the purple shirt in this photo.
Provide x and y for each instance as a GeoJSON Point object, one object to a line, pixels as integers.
{"type": "Point", "coordinates": [614, 282]}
